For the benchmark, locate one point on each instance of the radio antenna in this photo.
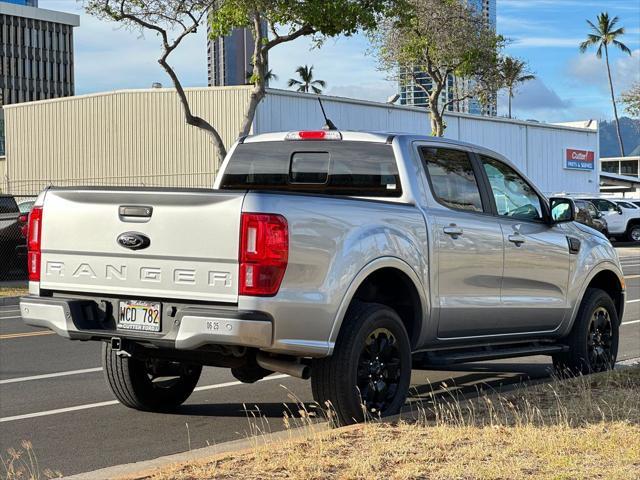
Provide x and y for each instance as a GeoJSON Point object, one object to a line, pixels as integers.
{"type": "Point", "coordinates": [328, 124]}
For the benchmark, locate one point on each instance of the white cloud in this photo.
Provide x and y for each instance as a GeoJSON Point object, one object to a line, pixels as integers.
{"type": "Point", "coordinates": [589, 69]}
{"type": "Point", "coordinates": [536, 42]}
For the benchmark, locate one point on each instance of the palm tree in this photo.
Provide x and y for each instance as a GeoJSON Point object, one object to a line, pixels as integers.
{"type": "Point", "coordinates": [603, 35]}
{"type": "Point", "coordinates": [267, 77]}
{"type": "Point", "coordinates": [513, 72]}
{"type": "Point", "coordinates": [306, 81]}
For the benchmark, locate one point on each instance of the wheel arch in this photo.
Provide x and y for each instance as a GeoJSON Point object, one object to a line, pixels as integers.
{"type": "Point", "coordinates": [606, 278]}
{"type": "Point", "coordinates": [406, 295]}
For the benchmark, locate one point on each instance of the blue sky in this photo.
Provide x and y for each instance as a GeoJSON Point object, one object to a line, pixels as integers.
{"type": "Point", "coordinates": [569, 86]}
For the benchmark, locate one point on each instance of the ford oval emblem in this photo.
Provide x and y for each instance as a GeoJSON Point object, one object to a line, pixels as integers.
{"type": "Point", "coordinates": [133, 240]}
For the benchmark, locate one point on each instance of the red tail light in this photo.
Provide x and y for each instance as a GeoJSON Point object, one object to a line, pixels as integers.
{"type": "Point", "coordinates": [34, 243]}
{"type": "Point", "coordinates": [264, 252]}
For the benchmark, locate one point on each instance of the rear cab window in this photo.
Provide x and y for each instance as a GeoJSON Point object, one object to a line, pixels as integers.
{"type": "Point", "coordinates": [347, 168]}
{"type": "Point", "coordinates": [8, 205]}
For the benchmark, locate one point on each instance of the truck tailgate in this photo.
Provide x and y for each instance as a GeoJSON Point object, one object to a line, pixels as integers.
{"type": "Point", "coordinates": [193, 238]}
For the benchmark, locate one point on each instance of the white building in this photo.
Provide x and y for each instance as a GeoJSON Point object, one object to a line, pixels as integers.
{"type": "Point", "coordinates": [139, 137]}
{"type": "Point", "coordinates": [621, 175]}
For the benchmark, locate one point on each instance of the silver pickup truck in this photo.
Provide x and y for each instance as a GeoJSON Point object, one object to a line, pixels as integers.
{"type": "Point", "coordinates": [346, 257]}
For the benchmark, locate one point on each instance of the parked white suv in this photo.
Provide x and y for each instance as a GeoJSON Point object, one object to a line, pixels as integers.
{"type": "Point", "coordinates": [622, 217]}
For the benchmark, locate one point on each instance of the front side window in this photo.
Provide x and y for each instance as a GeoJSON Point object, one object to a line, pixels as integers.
{"type": "Point", "coordinates": [452, 178]}
{"type": "Point", "coordinates": [514, 197]}
{"type": "Point", "coordinates": [626, 205]}
{"type": "Point", "coordinates": [591, 209]}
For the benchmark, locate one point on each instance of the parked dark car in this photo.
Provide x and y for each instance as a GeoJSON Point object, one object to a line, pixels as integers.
{"type": "Point", "coordinates": [13, 245]}
{"type": "Point", "coordinates": [589, 215]}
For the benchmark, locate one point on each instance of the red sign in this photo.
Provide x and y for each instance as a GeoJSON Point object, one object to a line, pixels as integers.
{"type": "Point", "coordinates": [580, 159]}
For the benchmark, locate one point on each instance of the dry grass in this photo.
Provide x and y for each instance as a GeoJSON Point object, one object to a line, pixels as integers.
{"type": "Point", "coordinates": [584, 428]}
{"type": "Point", "coordinates": [22, 464]}
{"type": "Point", "coordinates": [13, 292]}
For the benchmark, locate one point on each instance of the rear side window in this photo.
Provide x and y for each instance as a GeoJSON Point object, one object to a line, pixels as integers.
{"type": "Point", "coordinates": [452, 178]}
{"type": "Point", "coordinates": [325, 167]}
{"type": "Point", "coordinates": [604, 205]}
{"type": "Point", "coordinates": [8, 205]}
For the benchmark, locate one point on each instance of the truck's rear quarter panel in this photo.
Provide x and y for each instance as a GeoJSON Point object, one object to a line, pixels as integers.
{"type": "Point", "coordinates": [331, 241]}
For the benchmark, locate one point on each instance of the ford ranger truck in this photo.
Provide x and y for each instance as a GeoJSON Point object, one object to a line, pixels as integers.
{"type": "Point", "coordinates": [343, 257]}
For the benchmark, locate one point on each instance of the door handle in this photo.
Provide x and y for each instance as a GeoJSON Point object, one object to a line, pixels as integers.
{"type": "Point", "coordinates": [453, 230]}
{"type": "Point", "coordinates": [517, 239]}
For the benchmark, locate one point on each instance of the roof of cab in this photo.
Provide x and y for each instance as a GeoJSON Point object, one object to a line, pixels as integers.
{"type": "Point", "coordinates": [377, 137]}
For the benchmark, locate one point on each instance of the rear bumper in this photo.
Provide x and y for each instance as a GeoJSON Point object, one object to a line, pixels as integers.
{"type": "Point", "coordinates": [187, 328]}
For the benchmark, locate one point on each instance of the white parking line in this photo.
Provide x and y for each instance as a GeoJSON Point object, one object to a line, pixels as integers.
{"type": "Point", "coordinates": [634, 301]}
{"type": "Point", "coordinates": [630, 277]}
{"type": "Point", "coordinates": [630, 323]}
{"type": "Point", "coordinates": [50, 375]}
{"type": "Point", "coordinates": [115, 402]}
{"type": "Point", "coordinates": [11, 318]}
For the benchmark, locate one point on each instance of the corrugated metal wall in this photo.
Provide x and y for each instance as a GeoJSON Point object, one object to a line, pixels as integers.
{"type": "Point", "coordinates": [119, 138]}
{"type": "Point", "coordinates": [537, 149]}
{"type": "Point", "coordinates": [140, 137]}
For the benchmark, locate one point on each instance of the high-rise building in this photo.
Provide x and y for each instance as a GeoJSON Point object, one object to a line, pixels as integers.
{"type": "Point", "coordinates": [26, 3]}
{"type": "Point", "coordinates": [230, 57]}
{"type": "Point", "coordinates": [412, 94]}
{"type": "Point", "coordinates": [36, 52]}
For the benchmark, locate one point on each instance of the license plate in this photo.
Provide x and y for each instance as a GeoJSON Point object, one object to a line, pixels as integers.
{"type": "Point", "coordinates": [139, 316]}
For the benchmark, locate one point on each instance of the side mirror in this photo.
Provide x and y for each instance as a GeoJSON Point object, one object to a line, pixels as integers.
{"type": "Point", "coordinates": [562, 210]}
{"type": "Point", "coordinates": [619, 208]}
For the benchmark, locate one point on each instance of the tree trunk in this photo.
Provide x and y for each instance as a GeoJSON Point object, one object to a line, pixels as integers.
{"type": "Point", "coordinates": [510, 97]}
{"type": "Point", "coordinates": [437, 120]}
{"type": "Point", "coordinates": [194, 120]}
{"type": "Point", "coordinates": [613, 100]}
{"type": "Point", "coordinates": [259, 71]}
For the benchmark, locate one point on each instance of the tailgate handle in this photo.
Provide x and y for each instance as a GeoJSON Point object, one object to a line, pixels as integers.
{"type": "Point", "coordinates": [135, 211]}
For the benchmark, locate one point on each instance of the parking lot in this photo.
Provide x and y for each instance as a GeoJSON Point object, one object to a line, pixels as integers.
{"type": "Point", "coordinates": [52, 393]}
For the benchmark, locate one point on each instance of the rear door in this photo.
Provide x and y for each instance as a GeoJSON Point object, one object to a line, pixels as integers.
{"type": "Point", "coordinates": [189, 251]}
{"type": "Point", "coordinates": [468, 245]}
{"type": "Point", "coordinates": [536, 255]}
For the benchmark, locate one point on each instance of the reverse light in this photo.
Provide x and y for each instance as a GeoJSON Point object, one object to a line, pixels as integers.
{"type": "Point", "coordinates": [34, 243]}
{"type": "Point", "coordinates": [314, 135]}
{"type": "Point", "coordinates": [264, 253]}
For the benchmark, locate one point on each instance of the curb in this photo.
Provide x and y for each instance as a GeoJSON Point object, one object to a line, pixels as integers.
{"type": "Point", "coordinates": [6, 301]}
{"type": "Point", "coordinates": [146, 468]}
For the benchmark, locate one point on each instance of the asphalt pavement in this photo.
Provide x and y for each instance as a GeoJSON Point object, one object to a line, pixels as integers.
{"type": "Point", "coordinates": [53, 393]}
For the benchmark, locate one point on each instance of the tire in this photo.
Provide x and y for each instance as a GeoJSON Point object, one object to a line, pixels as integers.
{"type": "Point", "coordinates": [633, 232]}
{"type": "Point", "coordinates": [132, 384]}
{"type": "Point", "coordinates": [373, 344]}
{"type": "Point", "coordinates": [593, 341]}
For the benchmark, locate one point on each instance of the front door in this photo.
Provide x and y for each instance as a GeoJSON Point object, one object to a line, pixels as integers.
{"type": "Point", "coordinates": [468, 246]}
{"type": "Point", "coordinates": [536, 255]}
{"type": "Point", "coordinates": [615, 221]}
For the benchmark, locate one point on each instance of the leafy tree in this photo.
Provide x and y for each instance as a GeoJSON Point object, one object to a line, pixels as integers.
{"type": "Point", "coordinates": [603, 35]}
{"type": "Point", "coordinates": [288, 21]}
{"type": "Point", "coordinates": [513, 73]}
{"type": "Point", "coordinates": [442, 38]}
{"type": "Point", "coordinates": [306, 82]}
{"type": "Point", "coordinates": [173, 20]}
{"type": "Point", "coordinates": [631, 100]}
